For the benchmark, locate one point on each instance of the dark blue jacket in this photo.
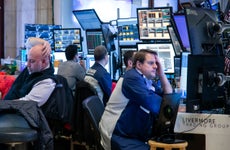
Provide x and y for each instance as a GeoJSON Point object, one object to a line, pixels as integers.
{"type": "Point", "coordinates": [104, 80]}
{"type": "Point", "coordinates": [137, 118]}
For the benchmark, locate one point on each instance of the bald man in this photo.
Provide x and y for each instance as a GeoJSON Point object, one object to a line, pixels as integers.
{"type": "Point", "coordinates": [32, 41]}
{"type": "Point", "coordinates": [39, 84]}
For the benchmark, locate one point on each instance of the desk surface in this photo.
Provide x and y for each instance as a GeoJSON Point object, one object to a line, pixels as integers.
{"type": "Point", "coordinates": [216, 128]}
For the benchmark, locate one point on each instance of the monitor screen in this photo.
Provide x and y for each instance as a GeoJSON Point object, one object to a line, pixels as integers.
{"type": "Point", "coordinates": [93, 39]}
{"type": "Point", "coordinates": [43, 31]}
{"type": "Point", "coordinates": [165, 52]}
{"type": "Point", "coordinates": [59, 56]}
{"type": "Point", "coordinates": [216, 7]}
{"type": "Point", "coordinates": [184, 73]}
{"type": "Point", "coordinates": [127, 31]}
{"type": "Point", "coordinates": [203, 36]}
{"type": "Point", "coordinates": [153, 22]}
{"type": "Point", "coordinates": [65, 36]}
{"type": "Point", "coordinates": [203, 90]}
{"type": "Point", "coordinates": [90, 61]}
{"type": "Point", "coordinates": [122, 52]}
{"type": "Point", "coordinates": [180, 26]}
{"type": "Point", "coordinates": [177, 66]}
{"type": "Point", "coordinates": [174, 39]}
{"type": "Point", "coordinates": [88, 19]}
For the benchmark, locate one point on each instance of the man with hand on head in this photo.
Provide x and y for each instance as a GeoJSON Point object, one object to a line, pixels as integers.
{"type": "Point", "coordinates": [36, 82]}
{"type": "Point", "coordinates": [32, 41]}
{"type": "Point", "coordinates": [129, 115]}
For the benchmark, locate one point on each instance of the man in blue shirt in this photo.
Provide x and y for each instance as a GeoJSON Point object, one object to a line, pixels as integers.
{"type": "Point", "coordinates": [129, 115]}
{"type": "Point", "coordinates": [98, 77]}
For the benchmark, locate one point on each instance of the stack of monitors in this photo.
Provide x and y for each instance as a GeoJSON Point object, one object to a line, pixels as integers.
{"type": "Point", "coordinates": [67, 36]}
{"type": "Point", "coordinates": [153, 22]}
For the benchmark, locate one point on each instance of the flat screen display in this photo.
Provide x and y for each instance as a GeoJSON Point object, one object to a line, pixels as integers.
{"type": "Point", "coordinates": [175, 41]}
{"type": "Point", "coordinates": [153, 22]}
{"type": "Point", "coordinates": [127, 31]}
{"type": "Point", "coordinates": [43, 31]}
{"type": "Point", "coordinates": [165, 52]}
{"type": "Point", "coordinates": [184, 73]}
{"type": "Point", "coordinates": [93, 39]}
{"type": "Point", "coordinates": [66, 36]}
{"type": "Point", "coordinates": [122, 52]}
{"type": "Point", "coordinates": [181, 26]}
{"type": "Point", "coordinates": [90, 61]}
{"type": "Point", "coordinates": [88, 19]}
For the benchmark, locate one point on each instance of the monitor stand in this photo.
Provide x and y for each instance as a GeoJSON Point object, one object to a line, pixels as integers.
{"type": "Point", "coordinates": [169, 139]}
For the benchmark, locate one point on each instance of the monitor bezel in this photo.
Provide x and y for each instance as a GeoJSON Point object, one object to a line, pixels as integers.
{"type": "Point", "coordinates": [87, 46]}
{"type": "Point", "coordinates": [65, 29]}
{"type": "Point", "coordinates": [165, 28]}
{"type": "Point", "coordinates": [177, 53]}
{"type": "Point", "coordinates": [77, 14]}
{"type": "Point", "coordinates": [174, 25]}
{"type": "Point", "coordinates": [172, 53]}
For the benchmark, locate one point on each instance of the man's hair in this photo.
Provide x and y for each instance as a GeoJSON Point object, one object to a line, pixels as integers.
{"type": "Point", "coordinates": [70, 52]}
{"type": "Point", "coordinates": [100, 52]}
{"type": "Point", "coordinates": [128, 55]}
{"type": "Point", "coordinates": [140, 55]}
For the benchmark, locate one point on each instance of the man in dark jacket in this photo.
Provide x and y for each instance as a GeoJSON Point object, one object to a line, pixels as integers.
{"type": "Point", "coordinates": [98, 77]}
{"type": "Point", "coordinates": [36, 81]}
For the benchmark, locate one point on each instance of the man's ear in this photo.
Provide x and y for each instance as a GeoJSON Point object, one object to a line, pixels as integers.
{"type": "Point", "coordinates": [138, 64]}
{"type": "Point", "coordinates": [130, 62]}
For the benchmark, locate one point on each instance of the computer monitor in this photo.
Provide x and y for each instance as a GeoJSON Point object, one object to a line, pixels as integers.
{"type": "Point", "coordinates": [43, 31]}
{"type": "Point", "coordinates": [184, 73]}
{"type": "Point", "coordinates": [88, 19]}
{"type": "Point", "coordinates": [127, 31]}
{"type": "Point", "coordinates": [153, 22]}
{"type": "Point", "coordinates": [202, 28]}
{"type": "Point", "coordinates": [164, 126]}
{"type": "Point", "coordinates": [165, 52]}
{"type": "Point", "coordinates": [93, 39]}
{"type": "Point", "coordinates": [216, 7]}
{"type": "Point", "coordinates": [203, 92]}
{"type": "Point", "coordinates": [59, 56]}
{"type": "Point", "coordinates": [122, 52]}
{"type": "Point", "coordinates": [108, 36]}
{"type": "Point", "coordinates": [90, 61]}
{"type": "Point", "coordinates": [177, 67]}
{"type": "Point", "coordinates": [180, 27]}
{"type": "Point", "coordinates": [65, 37]}
{"type": "Point", "coordinates": [177, 46]}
